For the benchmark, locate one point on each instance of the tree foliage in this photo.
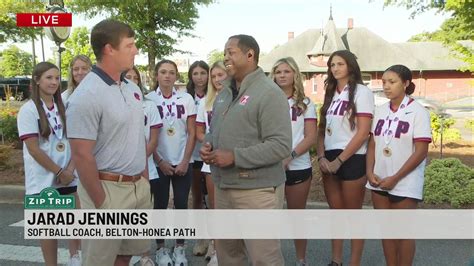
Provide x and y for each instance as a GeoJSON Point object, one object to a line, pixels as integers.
{"type": "Point", "coordinates": [453, 30]}
{"type": "Point", "coordinates": [8, 28]}
{"type": "Point", "coordinates": [15, 62]}
{"type": "Point", "coordinates": [214, 56]}
{"type": "Point", "coordinates": [77, 43]}
{"type": "Point", "coordinates": [158, 24]}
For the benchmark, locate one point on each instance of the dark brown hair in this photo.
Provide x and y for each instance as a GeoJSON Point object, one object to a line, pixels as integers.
{"type": "Point", "coordinates": [111, 32]}
{"type": "Point", "coordinates": [190, 85]}
{"type": "Point", "coordinates": [157, 67]}
{"type": "Point", "coordinates": [405, 75]}
{"type": "Point", "coordinates": [330, 84]}
{"type": "Point", "coordinates": [44, 126]}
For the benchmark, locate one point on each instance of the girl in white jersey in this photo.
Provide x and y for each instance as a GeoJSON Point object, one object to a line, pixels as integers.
{"type": "Point", "coordinates": [79, 67]}
{"type": "Point", "coordinates": [396, 155]}
{"type": "Point", "coordinates": [346, 116]}
{"type": "Point", "coordinates": [175, 146]}
{"type": "Point", "coordinates": [286, 74]}
{"type": "Point", "coordinates": [197, 87]}
{"type": "Point", "coordinates": [46, 150]}
{"type": "Point", "coordinates": [152, 126]}
{"type": "Point", "coordinates": [203, 122]}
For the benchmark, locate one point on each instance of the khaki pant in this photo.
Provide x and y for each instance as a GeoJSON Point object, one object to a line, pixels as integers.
{"type": "Point", "coordinates": [260, 251]}
{"type": "Point", "coordinates": [118, 195]}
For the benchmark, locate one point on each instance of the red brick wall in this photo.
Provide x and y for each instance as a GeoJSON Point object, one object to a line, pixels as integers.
{"type": "Point", "coordinates": [439, 85]}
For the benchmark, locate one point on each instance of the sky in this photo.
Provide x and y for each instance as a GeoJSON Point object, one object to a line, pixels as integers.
{"type": "Point", "coordinates": [269, 21]}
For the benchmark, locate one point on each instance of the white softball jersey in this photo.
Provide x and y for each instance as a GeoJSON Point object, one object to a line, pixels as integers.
{"type": "Point", "coordinates": [391, 153]}
{"type": "Point", "coordinates": [36, 176]}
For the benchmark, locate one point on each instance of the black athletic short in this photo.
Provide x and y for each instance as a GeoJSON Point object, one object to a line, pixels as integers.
{"type": "Point", "coordinates": [352, 169]}
{"type": "Point", "coordinates": [294, 177]}
{"type": "Point", "coordinates": [197, 165]}
{"type": "Point", "coordinates": [392, 198]}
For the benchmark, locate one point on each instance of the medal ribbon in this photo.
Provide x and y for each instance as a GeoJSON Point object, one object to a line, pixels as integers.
{"type": "Point", "coordinates": [388, 129]}
{"type": "Point", "coordinates": [168, 115]}
{"type": "Point", "coordinates": [54, 120]}
{"type": "Point", "coordinates": [335, 103]}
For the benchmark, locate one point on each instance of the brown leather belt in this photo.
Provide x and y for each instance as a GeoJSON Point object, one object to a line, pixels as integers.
{"type": "Point", "coordinates": [118, 178]}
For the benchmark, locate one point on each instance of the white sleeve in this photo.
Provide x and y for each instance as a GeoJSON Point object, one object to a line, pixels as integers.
{"type": "Point", "coordinates": [201, 114]}
{"type": "Point", "coordinates": [27, 121]}
{"type": "Point", "coordinates": [422, 130]}
{"type": "Point", "coordinates": [364, 101]}
{"type": "Point", "coordinates": [191, 106]}
{"type": "Point", "coordinates": [310, 114]}
{"type": "Point", "coordinates": [155, 118]}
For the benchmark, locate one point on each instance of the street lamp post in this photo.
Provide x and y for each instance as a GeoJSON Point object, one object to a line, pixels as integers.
{"type": "Point", "coordinates": [57, 34]}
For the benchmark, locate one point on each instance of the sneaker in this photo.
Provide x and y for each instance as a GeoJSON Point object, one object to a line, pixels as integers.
{"type": "Point", "coordinates": [200, 247]}
{"type": "Point", "coordinates": [179, 256]}
{"type": "Point", "coordinates": [146, 261]}
{"type": "Point", "coordinates": [213, 261]}
{"type": "Point", "coordinates": [210, 250]}
{"type": "Point", "coordinates": [163, 258]}
{"type": "Point", "coordinates": [75, 260]}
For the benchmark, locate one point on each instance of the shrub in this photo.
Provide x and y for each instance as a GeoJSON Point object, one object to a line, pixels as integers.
{"type": "Point", "coordinates": [5, 152]}
{"type": "Point", "coordinates": [8, 126]}
{"type": "Point", "coordinates": [449, 134]}
{"type": "Point", "coordinates": [449, 181]}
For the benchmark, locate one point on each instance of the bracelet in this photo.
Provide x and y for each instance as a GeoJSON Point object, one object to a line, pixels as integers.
{"type": "Point", "coordinates": [59, 172]}
{"type": "Point", "coordinates": [339, 159]}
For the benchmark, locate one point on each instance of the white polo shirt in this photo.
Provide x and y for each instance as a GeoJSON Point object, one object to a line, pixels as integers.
{"type": "Point", "coordinates": [110, 113]}
{"type": "Point", "coordinates": [36, 176]}
{"type": "Point", "coordinates": [414, 125]}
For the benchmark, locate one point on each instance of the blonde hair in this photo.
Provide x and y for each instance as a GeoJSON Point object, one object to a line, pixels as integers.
{"type": "Point", "coordinates": [298, 89]}
{"type": "Point", "coordinates": [71, 83]}
{"type": "Point", "coordinates": [211, 90]}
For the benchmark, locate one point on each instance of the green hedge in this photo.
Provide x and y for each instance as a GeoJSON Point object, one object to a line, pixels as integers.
{"type": "Point", "coordinates": [449, 181]}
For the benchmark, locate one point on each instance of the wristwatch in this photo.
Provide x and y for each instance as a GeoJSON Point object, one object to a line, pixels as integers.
{"type": "Point", "coordinates": [294, 154]}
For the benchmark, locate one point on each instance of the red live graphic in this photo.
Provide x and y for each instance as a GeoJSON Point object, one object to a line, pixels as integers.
{"type": "Point", "coordinates": [44, 20]}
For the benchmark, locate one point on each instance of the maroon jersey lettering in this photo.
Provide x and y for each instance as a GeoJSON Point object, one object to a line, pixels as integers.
{"type": "Point", "coordinates": [160, 109]}
{"type": "Point", "coordinates": [402, 128]}
{"type": "Point", "coordinates": [181, 110]}
{"type": "Point", "coordinates": [378, 127]}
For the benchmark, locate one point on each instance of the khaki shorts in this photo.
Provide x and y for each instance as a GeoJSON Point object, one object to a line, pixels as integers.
{"type": "Point", "coordinates": [118, 195]}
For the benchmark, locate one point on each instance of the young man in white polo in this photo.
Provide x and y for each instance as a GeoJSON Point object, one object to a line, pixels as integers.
{"type": "Point", "coordinates": [107, 140]}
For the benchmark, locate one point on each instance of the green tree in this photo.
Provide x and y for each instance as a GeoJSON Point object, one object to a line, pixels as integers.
{"type": "Point", "coordinates": [15, 62]}
{"type": "Point", "coordinates": [158, 24]}
{"type": "Point", "coordinates": [8, 28]}
{"type": "Point", "coordinates": [214, 56]}
{"type": "Point", "coordinates": [453, 30]}
{"type": "Point", "coordinates": [77, 43]}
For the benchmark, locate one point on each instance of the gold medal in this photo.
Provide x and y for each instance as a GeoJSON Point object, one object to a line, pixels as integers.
{"type": "Point", "coordinates": [170, 131]}
{"type": "Point", "coordinates": [387, 152]}
{"type": "Point", "coordinates": [329, 130]}
{"type": "Point", "coordinates": [60, 147]}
